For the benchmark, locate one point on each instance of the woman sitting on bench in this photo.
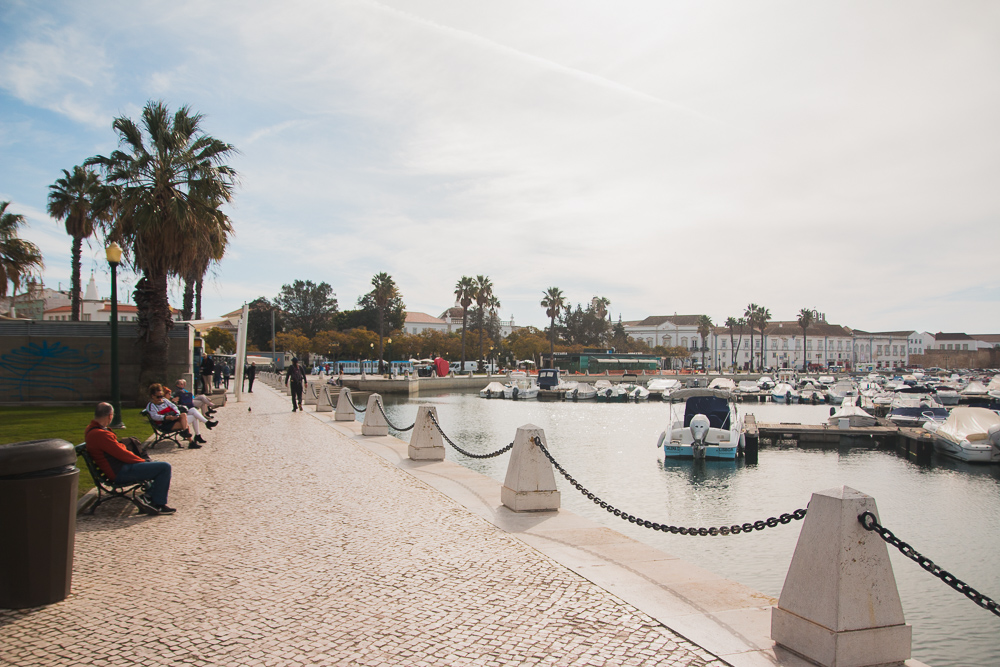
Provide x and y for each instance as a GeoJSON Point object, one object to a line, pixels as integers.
{"type": "Point", "coordinates": [166, 417]}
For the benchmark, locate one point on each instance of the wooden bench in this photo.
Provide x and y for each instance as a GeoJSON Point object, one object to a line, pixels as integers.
{"type": "Point", "coordinates": [159, 435]}
{"type": "Point", "coordinates": [108, 488]}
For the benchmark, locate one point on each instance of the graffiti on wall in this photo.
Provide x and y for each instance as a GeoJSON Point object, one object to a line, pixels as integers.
{"type": "Point", "coordinates": [47, 370]}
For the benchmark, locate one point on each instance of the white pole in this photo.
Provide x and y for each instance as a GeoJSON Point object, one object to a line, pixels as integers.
{"type": "Point", "coordinates": [241, 351]}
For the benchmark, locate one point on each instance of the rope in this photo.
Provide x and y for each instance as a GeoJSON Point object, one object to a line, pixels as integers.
{"type": "Point", "coordinates": [462, 451]}
{"type": "Point", "coordinates": [735, 529]}
{"type": "Point", "coordinates": [381, 409]}
{"type": "Point", "coordinates": [869, 522]}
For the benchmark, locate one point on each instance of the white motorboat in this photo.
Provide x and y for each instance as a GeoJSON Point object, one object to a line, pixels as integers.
{"type": "Point", "coordinates": [827, 380]}
{"type": "Point", "coordinates": [710, 428]}
{"type": "Point", "coordinates": [974, 389]}
{"type": "Point", "coordinates": [947, 394]}
{"type": "Point", "coordinates": [726, 384]}
{"type": "Point", "coordinates": [746, 388]}
{"type": "Point", "coordinates": [765, 383]}
{"type": "Point", "coordinates": [521, 386]}
{"type": "Point", "coordinates": [610, 393]}
{"type": "Point", "coordinates": [969, 434]}
{"type": "Point", "coordinates": [850, 414]}
{"type": "Point", "coordinates": [635, 392]}
{"type": "Point", "coordinates": [663, 387]}
{"type": "Point", "coordinates": [841, 390]}
{"type": "Point", "coordinates": [784, 393]}
{"type": "Point", "coordinates": [581, 392]}
{"type": "Point", "coordinates": [492, 390]}
{"type": "Point", "coordinates": [993, 388]}
{"type": "Point", "coordinates": [913, 406]}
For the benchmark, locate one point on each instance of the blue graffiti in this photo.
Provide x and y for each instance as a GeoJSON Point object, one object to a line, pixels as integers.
{"type": "Point", "coordinates": [40, 370]}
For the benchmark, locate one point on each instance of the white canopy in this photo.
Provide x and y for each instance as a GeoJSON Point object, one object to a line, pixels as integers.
{"type": "Point", "coordinates": [972, 424]}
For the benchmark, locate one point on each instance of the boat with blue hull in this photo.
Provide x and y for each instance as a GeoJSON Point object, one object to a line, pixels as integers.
{"type": "Point", "coordinates": [711, 426]}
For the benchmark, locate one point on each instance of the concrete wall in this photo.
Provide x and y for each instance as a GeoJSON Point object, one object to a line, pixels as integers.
{"type": "Point", "coordinates": [70, 362]}
{"type": "Point", "coordinates": [952, 359]}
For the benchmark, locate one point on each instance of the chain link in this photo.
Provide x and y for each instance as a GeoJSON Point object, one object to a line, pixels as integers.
{"type": "Point", "coordinates": [351, 401]}
{"type": "Point", "coordinates": [381, 408]}
{"type": "Point", "coordinates": [462, 451]}
{"type": "Point", "coordinates": [869, 522]}
{"type": "Point", "coordinates": [734, 529]}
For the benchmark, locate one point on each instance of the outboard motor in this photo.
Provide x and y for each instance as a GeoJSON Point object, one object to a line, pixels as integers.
{"type": "Point", "coordinates": [699, 431]}
{"type": "Point", "coordinates": [513, 394]}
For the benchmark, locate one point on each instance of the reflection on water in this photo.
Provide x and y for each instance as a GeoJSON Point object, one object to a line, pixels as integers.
{"type": "Point", "coordinates": [948, 510]}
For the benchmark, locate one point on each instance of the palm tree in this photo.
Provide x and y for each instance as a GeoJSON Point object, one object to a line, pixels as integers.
{"type": "Point", "coordinates": [763, 317]}
{"type": "Point", "coordinates": [805, 321]}
{"type": "Point", "coordinates": [750, 315]}
{"type": "Point", "coordinates": [465, 293]}
{"type": "Point", "coordinates": [494, 306]}
{"type": "Point", "coordinates": [601, 304]}
{"type": "Point", "coordinates": [484, 292]}
{"type": "Point", "coordinates": [385, 291]}
{"type": "Point", "coordinates": [732, 323]}
{"type": "Point", "coordinates": [168, 180]}
{"type": "Point", "coordinates": [201, 259]}
{"type": "Point", "coordinates": [18, 258]}
{"type": "Point", "coordinates": [76, 199]}
{"type": "Point", "coordinates": [553, 302]}
{"type": "Point", "coordinates": [704, 328]}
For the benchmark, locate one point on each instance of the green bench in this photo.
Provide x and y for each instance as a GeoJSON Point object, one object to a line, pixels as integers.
{"type": "Point", "coordinates": [159, 435]}
{"type": "Point", "coordinates": [107, 488]}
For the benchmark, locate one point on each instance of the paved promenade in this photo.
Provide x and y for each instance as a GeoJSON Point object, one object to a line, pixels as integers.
{"type": "Point", "coordinates": [295, 544]}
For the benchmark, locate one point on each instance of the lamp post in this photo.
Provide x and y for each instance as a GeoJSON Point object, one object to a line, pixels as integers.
{"type": "Point", "coordinates": [114, 255]}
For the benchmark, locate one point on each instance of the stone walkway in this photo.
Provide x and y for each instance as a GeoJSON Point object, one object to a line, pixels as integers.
{"type": "Point", "coordinates": [293, 545]}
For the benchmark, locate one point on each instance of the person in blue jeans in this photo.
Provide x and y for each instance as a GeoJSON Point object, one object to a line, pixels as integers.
{"type": "Point", "coordinates": [124, 466]}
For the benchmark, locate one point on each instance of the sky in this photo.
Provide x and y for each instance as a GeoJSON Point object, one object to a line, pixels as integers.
{"type": "Point", "coordinates": [674, 157]}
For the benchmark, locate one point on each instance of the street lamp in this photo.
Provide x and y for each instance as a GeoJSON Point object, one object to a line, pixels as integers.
{"type": "Point", "coordinates": [114, 255]}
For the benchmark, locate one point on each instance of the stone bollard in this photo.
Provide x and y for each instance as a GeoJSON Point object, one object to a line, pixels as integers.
{"type": "Point", "coordinates": [324, 403]}
{"type": "Point", "coordinates": [839, 606]}
{"type": "Point", "coordinates": [311, 394]}
{"type": "Point", "coordinates": [345, 409]}
{"type": "Point", "coordinates": [426, 443]}
{"type": "Point", "coordinates": [530, 485]}
{"type": "Point", "coordinates": [374, 423]}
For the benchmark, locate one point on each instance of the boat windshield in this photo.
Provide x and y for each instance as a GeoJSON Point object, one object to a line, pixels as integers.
{"type": "Point", "coordinates": [716, 409]}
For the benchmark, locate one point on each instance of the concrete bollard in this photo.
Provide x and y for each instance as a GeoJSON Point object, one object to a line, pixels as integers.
{"type": "Point", "coordinates": [324, 403]}
{"type": "Point", "coordinates": [839, 606]}
{"type": "Point", "coordinates": [345, 410]}
{"type": "Point", "coordinates": [311, 394]}
{"type": "Point", "coordinates": [374, 423]}
{"type": "Point", "coordinates": [530, 485]}
{"type": "Point", "coordinates": [426, 443]}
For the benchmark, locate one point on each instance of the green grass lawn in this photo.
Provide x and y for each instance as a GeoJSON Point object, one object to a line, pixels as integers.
{"type": "Point", "coordinates": [66, 423]}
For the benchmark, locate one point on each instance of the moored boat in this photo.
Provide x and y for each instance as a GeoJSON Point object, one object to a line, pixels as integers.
{"type": "Point", "coordinates": [710, 428]}
{"type": "Point", "coordinates": [663, 387]}
{"type": "Point", "coordinates": [851, 415]}
{"type": "Point", "coordinates": [521, 386]}
{"type": "Point", "coordinates": [492, 390]}
{"type": "Point", "coordinates": [581, 392]}
{"type": "Point", "coordinates": [969, 434]}
{"type": "Point", "coordinates": [913, 406]}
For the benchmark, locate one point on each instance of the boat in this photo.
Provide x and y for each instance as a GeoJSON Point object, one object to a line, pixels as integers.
{"type": "Point", "coordinates": [582, 392]}
{"type": "Point", "coordinates": [784, 393]}
{"type": "Point", "coordinates": [765, 383]}
{"type": "Point", "coordinates": [841, 390]}
{"type": "Point", "coordinates": [912, 406]}
{"type": "Point", "coordinates": [635, 392]}
{"type": "Point", "coordinates": [946, 394]}
{"type": "Point", "coordinates": [746, 388]}
{"type": "Point", "coordinates": [711, 426]}
{"type": "Point", "coordinates": [521, 386]}
{"type": "Point", "coordinates": [550, 388]}
{"type": "Point", "coordinates": [974, 389]}
{"type": "Point", "coordinates": [725, 384]}
{"type": "Point", "coordinates": [492, 390]}
{"type": "Point", "coordinates": [610, 393]}
{"type": "Point", "coordinates": [849, 414]}
{"type": "Point", "coordinates": [969, 434]}
{"type": "Point", "coordinates": [663, 387]}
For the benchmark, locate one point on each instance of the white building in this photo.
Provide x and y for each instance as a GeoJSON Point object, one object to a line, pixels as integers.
{"type": "Point", "coordinates": [874, 350]}
{"type": "Point", "coordinates": [453, 319]}
{"type": "Point", "coordinates": [417, 323]}
{"type": "Point", "coordinates": [92, 309]}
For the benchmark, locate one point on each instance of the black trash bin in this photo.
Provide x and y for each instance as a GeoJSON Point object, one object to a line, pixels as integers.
{"type": "Point", "coordinates": [38, 486]}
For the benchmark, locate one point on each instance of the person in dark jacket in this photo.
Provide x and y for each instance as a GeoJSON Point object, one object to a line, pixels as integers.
{"type": "Point", "coordinates": [207, 370]}
{"type": "Point", "coordinates": [297, 376]}
{"type": "Point", "coordinates": [250, 375]}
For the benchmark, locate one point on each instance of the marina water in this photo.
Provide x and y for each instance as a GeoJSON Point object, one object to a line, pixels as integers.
{"type": "Point", "coordinates": [947, 510]}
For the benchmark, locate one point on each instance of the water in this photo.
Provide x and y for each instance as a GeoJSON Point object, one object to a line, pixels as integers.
{"type": "Point", "coordinates": [949, 511]}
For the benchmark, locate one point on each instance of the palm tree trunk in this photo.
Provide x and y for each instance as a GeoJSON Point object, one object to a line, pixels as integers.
{"type": "Point", "coordinates": [197, 299]}
{"type": "Point", "coordinates": [188, 307]}
{"type": "Point", "coordinates": [805, 357]}
{"type": "Point", "coordinates": [552, 342]}
{"type": "Point", "coordinates": [75, 280]}
{"type": "Point", "coordinates": [480, 335]}
{"type": "Point", "coordinates": [381, 318]}
{"type": "Point", "coordinates": [465, 313]}
{"type": "Point", "coordinates": [153, 311]}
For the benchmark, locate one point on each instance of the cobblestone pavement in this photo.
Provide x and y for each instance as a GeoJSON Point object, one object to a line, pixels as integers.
{"type": "Point", "coordinates": [294, 546]}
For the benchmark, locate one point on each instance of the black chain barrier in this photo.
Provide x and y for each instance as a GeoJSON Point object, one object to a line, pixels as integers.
{"type": "Point", "coordinates": [381, 408]}
{"type": "Point", "coordinates": [351, 401]}
{"type": "Point", "coordinates": [462, 451]}
{"type": "Point", "coordinates": [735, 529]}
{"type": "Point", "coordinates": [869, 522]}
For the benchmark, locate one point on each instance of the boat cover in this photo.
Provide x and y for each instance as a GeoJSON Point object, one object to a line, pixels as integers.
{"type": "Point", "coordinates": [713, 407]}
{"type": "Point", "coordinates": [972, 424]}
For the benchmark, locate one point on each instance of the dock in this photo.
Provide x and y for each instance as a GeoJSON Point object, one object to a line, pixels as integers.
{"type": "Point", "coordinates": [915, 443]}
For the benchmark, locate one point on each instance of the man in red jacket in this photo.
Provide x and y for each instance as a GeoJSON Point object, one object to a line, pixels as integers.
{"type": "Point", "coordinates": [124, 467]}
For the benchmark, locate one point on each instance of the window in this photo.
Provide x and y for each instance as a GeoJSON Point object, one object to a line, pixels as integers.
{"type": "Point", "coordinates": [723, 344]}
{"type": "Point", "coordinates": [809, 345]}
{"type": "Point", "coordinates": [965, 346]}
{"type": "Point", "coordinates": [878, 350]}
{"type": "Point", "coordinates": [774, 344]}
{"type": "Point", "coordinates": [784, 343]}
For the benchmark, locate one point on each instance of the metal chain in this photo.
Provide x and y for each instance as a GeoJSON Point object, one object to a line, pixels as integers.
{"type": "Point", "coordinates": [381, 408]}
{"type": "Point", "coordinates": [351, 401]}
{"type": "Point", "coordinates": [869, 522]}
{"type": "Point", "coordinates": [462, 451]}
{"type": "Point", "coordinates": [735, 529]}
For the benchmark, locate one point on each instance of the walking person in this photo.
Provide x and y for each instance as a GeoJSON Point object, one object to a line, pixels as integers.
{"type": "Point", "coordinates": [207, 370]}
{"type": "Point", "coordinates": [225, 376]}
{"type": "Point", "coordinates": [251, 374]}
{"type": "Point", "coordinates": [297, 375]}
{"type": "Point", "coordinates": [217, 376]}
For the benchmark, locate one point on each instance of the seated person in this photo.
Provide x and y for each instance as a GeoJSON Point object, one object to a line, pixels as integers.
{"type": "Point", "coordinates": [200, 401]}
{"type": "Point", "coordinates": [124, 467]}
{"type": "Point", "coordinates": [185, 402]}
{"type": "Point", "coordinates": [166, 416]}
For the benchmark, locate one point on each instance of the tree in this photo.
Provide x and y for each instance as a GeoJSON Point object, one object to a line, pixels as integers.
{"type": "Point", "coordinates": [763, 317]}
{"type": "Point", "coordinates": [465, 294]}
{"type": "Point", "coordinates": [259, 313]}
{"type": "Point", "coordinates": [202, 257]}
{"type": "Point", "coordinates": [805, 321]}
{"type": "Point", "coordinates": [484, 294]}
{"type": "Point", "coordinates": [77, 200]}
{"type": "Point", "coordinates": [382, 296]}
{"type": "Point", "coordinates": [307, 306]}
{"type": "Point", "coordinates": [704, 329]}
{"type": "Point", "coordinates": [166, 183]}
{"type": "Point", "coordinates": [220, 341]}
{"type": "Point", "coordinates": [731, 324]}
{"type": "Point", "coordinates": [296, 343]}
{"type": "Point", "coordinates": [675, 352]}
{"type": "Point", "coordinates": [750, 315]}
{"type": "Point", "coordinates": [584, 327]}
{"type": "Point", "coordinates": [553, 302]}
{"type": "Point", "coordinates": [18, 258]}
